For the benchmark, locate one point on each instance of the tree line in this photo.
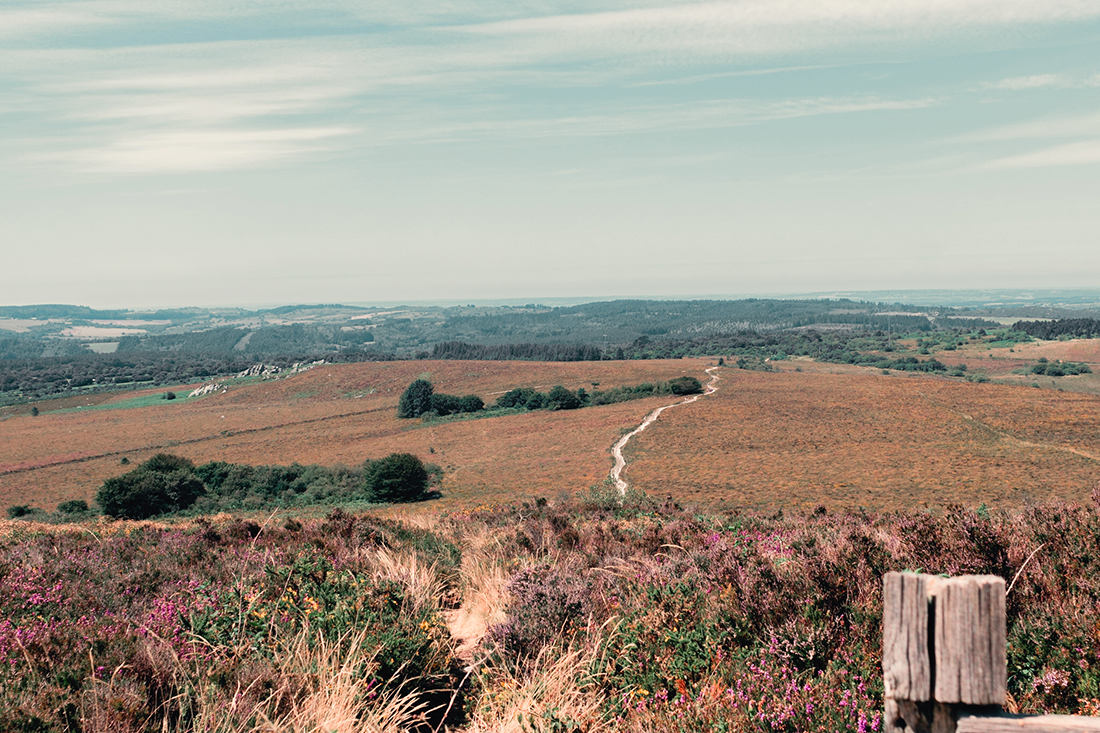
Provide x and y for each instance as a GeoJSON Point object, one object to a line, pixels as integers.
{"type": "Point", "coordinates": [419, 399]}
{"type": "Point", "coordinates": [516, 352]}
{"type": "Point", "coordinates": [1078, 328]}
{"type": "Point", "coordinates": [167, 483]}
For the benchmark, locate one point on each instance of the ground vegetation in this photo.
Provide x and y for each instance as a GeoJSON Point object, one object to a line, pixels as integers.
{"type": "Point", "coordinates": [594, 613]}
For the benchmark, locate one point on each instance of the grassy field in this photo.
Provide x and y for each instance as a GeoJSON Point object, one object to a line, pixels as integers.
{"type": "Point", "coordinates": [803, 439]}
{"type": "Point", "coordinates": [338, 414]}
{"type": "Point", "coordinates": [805, 435]}
{"type": "Point", "coordinates": [489, 611]}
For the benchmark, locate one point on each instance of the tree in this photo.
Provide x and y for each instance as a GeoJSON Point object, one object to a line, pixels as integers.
{"type": "Point", "coordinates": [685, 385]}
{"type": "Point", "coordinates": [445, 404]}
{"type": "Point", "coordinates": [416, 400]}
{"type": "Point", "coordinates": [165, 483]}
{"type": "Point", "coordinates": [517, 397]}
{"type": "Point", "coordinates": [471, 403]}
{"type": "Point", "coordinates": [398, 477]}
{"type": "Point", "coordinates": [560, 398]}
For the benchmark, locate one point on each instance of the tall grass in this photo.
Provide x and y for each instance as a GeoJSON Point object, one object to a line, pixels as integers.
{"type": "Point", "coordinates": [585, 615]}
{"type": "Point", "coordinates": [558, 691]}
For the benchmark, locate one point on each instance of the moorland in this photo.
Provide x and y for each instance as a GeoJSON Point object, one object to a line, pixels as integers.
{"type": "Point", "coordinates": [734, 585]}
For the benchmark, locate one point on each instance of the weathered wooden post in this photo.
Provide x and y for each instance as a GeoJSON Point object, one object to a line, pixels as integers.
{"type": "Point", "coordinates": [943, 658]}
{"type": "Point", "coordinates": [943, 645]}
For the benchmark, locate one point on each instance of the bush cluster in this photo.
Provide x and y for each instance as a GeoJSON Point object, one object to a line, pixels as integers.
{"type": "Point", "coordinates": [420, 399]}
{"type": "Point", "coordinates": [560, 398]}
{"type": "Point", "coordinates": [165, 484]}
{"type": "Point", "coordinates": [162, 484]}
{"type": "Point", "coordinates": [1059, 368]}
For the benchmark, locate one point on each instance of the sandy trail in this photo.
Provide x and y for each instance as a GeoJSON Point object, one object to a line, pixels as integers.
{"type": "Point", "coordinates": [1012, 439]}
{"type": "Point", "coordinates": [617, 449]}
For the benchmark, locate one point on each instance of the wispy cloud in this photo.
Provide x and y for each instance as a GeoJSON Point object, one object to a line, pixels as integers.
{"type": "Point", "coordinates": [776, 27]}
{"type": "Point", "coordinates": [636, 119]}
{"type": "Point", "coordinates": [321, 76]}
{"type": "Point", "coordinates": [1086, 152]}
{"type": "Point", "coordinates": [1070, 141]}
{"type": "Point", "coordinates": [1041, 81]}
{"type": "Point", "coordinates": [1074, 126]}
{"type": "Point", "coordinates": [200, 150]}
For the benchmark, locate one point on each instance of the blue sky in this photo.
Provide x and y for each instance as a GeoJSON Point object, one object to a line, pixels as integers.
{"type": "Point", "coordinates": [201, 152]}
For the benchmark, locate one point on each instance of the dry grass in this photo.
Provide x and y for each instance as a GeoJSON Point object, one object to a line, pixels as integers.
{"type": "Point", "coordinates": [561, 693]}
{"type": "Point", "coordinates": [863, 439]}
{"type": "Point", "coordinates": [331, 415]}
{"type": "Point", "coordinates": [837, 435]}
{"type": "Point", "coordinates": [420, 579]}
{"type": "Point", "coordinates": [334, 691]}
{"type": "Point", "coordinates": [321, 687]}
{"type": "Point", "coordinates": [484, 594]}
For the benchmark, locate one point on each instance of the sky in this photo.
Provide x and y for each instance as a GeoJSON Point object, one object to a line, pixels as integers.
{"type": "Point", "coordinates": [161, 153]}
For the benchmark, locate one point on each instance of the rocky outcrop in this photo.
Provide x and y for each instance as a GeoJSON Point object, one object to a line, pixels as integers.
{"type": "Point", "coordinates": [207, 389]}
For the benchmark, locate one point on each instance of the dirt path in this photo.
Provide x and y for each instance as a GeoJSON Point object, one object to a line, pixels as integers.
{"type": "Point", "coordinates": [617, 449]}
{"type": "Point", "coordinates": [1012, 439]}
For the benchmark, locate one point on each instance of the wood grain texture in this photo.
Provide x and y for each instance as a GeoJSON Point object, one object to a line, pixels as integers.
{"type": "Point", "coordinates": [906, 716]}
{"type": "Point", "coordinates": [970, 662]}
{"type": "Point", "coordinates": [906, 651]}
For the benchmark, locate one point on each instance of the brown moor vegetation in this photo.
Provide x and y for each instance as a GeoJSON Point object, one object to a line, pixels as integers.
{"type": "Point", "coordinates": [342, 414]}
{"type": "Point", "coordinates": [836, 435]}
{"type": "Point", "coordinates": [802, 439]}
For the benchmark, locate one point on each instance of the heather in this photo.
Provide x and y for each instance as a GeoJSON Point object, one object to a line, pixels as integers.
{"type": "Point", "coordinates": [580, 614]}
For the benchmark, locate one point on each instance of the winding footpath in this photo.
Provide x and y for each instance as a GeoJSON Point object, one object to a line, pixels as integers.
{"type": "Point", "coordinates": [617, 449]}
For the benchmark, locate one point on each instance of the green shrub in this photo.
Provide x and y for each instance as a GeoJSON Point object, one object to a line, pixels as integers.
{"type": "Point", "coordinates": [167, 463]}
{"type": "Point", "coordinates": [685, 385]}
{"type": "Point", "coordinates": [74, 506]}
{"type": "Point", "coordinates": [416, 399]}
{"type": "Point", "coordinates": [471, 403]}
{"type": "Point", "coordinates": [15, 511]}
{"type": "Point", "coordinates": [517, 397]}
{"type": "Point", "coordinates": [398, 477]}
{"type": "Point", "coordinates": [164, 483]}
{"type": "Point", "coordinates": [560, 398]}
{"type": "Point", "coordinates": [420, 399]}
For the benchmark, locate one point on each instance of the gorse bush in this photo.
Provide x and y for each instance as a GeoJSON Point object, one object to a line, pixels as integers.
{"type": "Point", "coordinates": [685, 385]}
{"type": "Point", "coordinates": [75, 506]}
{"type": "Point", "coordinates": [18, 511]}
{"type": "Point", "coordinates": [396, 478]}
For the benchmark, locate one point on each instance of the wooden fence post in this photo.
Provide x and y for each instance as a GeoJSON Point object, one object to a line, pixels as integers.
{"type": "Point", "coordinates": [943, 659]}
